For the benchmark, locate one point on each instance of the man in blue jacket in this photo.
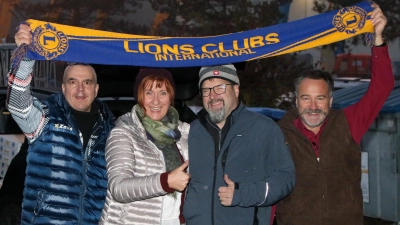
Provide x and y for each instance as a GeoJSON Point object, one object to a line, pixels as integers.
{"type": "Point", "coordinates": [239, 163]}
{"type": "Point", "coordinates": [66, 179]}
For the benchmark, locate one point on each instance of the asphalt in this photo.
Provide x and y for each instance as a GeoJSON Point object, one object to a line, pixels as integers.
{"type": "Point", "coordinates": [373, 221]}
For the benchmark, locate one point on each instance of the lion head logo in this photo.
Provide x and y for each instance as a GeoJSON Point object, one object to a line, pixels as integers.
{"type": "Point", "coordinates": [350, 19]}
{"type": "Point", "coordinates": [49, 42]}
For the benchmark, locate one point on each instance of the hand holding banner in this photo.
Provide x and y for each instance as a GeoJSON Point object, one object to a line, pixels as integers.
{"type": "Point", "coordinates": [67, 43]}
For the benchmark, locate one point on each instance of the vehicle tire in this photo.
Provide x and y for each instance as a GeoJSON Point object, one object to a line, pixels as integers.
{"type": "Point", "coordinates": [11, 215]}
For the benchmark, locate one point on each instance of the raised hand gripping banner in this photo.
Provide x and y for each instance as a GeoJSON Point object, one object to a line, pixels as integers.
{"type": "Point", "coordinates": [67, 43]}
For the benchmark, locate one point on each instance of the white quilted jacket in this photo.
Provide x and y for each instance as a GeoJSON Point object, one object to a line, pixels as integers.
{"type": "Point", "coordinates": [134, 166]}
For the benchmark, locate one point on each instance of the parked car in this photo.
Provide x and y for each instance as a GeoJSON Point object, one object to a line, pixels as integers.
{"type": "Point", "coordinates": [358, 66]}
{"type": "Point", "coordinates": [344, 82]}
{"type": "Point", "coordinates": [352, 65]}
{"type": "Point", "coordinates": [116, 88]}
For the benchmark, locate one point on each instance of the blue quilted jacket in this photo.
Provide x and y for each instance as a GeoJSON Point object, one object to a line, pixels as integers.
{"type": "Point", "coordinates": [65, 184]}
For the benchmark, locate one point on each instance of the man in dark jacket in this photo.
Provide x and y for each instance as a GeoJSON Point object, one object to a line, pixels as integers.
{"type": "Point", "coordinates": [239, 163]}
{"type": "Point", "coordinates": [66, 180]}
{"type": "Point", "coordinates": [325, 143]}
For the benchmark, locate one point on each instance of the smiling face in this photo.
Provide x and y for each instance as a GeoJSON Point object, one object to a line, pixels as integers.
{"type": "Point", "coordinates": [220, 106]}
{"type": "Point", "coordinates": [156, 101]}
{"type": "Point", "coordinates": [155, 96]}
{"type": "Point", "coordinates": [80, 87]}
{"type": "Point", "coordinates": [313, 102]}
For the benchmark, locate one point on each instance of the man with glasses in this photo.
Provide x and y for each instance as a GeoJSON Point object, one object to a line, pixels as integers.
{"type": "Point", "coordinates": [239, 163]}
{"type": "Point", "coordinates": [66, 180]}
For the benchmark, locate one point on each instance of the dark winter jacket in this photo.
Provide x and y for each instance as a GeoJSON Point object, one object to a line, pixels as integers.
{"type": "Point", "coordinates": [328, 191]}
{"type": "Point", "coordinates": [66, 184]}
{"type": "Point", "coordinates": [253, 155]}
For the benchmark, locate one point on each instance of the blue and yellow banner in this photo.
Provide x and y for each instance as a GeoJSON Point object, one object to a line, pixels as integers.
{"type": "Point", "coordinates": [67, 43]}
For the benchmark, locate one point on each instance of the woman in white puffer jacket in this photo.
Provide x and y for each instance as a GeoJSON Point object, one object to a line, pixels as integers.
{"type": "Point", "coordinates": [146, 155]}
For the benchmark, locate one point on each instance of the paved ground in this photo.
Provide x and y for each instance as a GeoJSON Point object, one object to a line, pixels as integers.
{"type": "Point", "coordinates": [372, 221]}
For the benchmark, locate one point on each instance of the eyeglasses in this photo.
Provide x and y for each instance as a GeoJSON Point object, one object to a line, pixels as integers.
{"type": "Point", "coordinates": [219, 89]}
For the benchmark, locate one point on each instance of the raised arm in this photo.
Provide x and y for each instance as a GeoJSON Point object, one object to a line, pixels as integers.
{"type": "Point", "coordinates": [379, 20]}
{"type": "Point", "coordinates": [24, 108]}
{"type": "Point", "coordinates": [361, 114]}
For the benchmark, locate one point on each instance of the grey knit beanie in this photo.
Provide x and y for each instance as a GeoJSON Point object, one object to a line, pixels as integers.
{"type": "Point", "coordinates": [226, 72]}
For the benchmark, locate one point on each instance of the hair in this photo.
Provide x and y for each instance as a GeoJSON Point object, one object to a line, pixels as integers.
{"type": "Point", "coordinates": [148, 82]}
{"type": "Point", "coordinates": [315, 75]}
{"type": "Point", "coordinates": [78, 64]}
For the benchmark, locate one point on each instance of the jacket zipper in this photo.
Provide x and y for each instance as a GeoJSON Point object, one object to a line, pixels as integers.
{"type": "Point", "coordinates": [86, 155]}
{"type": "Point", "coordinates": [162, 207]}
{"type": "Point", "coordinates": [318, 159]}
{"type": "Point", "coordinates": [215, 172]}
{"type": "Point", "coordinates": [215, 177]}
{"type": "Point", "coordinates": [165, 169]}
{"type": "Point", "coordinates": [83, 181]}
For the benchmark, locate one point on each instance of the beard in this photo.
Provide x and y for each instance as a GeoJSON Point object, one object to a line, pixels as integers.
{"type": "Point", "coordinates": [313, 122]}
{"type": "Point", "coordinates": [216, 115]}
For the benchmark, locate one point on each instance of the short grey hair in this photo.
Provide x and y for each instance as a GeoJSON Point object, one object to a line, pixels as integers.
{"type": "Point", "coordinates": [315, 75]}
{"type": "Point", "coordinates": [79, 64]}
